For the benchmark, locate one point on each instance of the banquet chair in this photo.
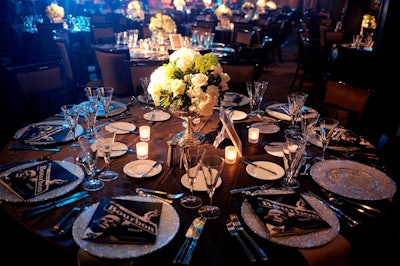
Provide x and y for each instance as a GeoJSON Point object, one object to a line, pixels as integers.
{"type": "Point", "coordinates": [301, 33]}
{"type": "Point", "coordinates": [41, 88]}
{"type": "Point", "coordinates": [141, 69]}
{"type": "Point", "coordinates": [239, 71]}
{"type": "Point", "coordinates": [113, 71]}
{"type": "Point", "coordinates": [276, 31]}
{"type": "Point", "coordinates": [346, 103]}
{"type": "Point", "coordinates": [102, 33]}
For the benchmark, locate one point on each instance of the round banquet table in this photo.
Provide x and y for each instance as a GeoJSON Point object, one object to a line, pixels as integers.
{"type": "Point", "coordinates": [216, 246]}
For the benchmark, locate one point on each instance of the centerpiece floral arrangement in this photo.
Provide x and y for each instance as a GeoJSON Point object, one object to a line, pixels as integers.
{"type": "Point", "coordinates": [189, 82]}
{"type": "Point", "coordinates": [223, 11]}
{"type": "Point", "coordinates": [55, 13]}
{"type": "Point", "coordinates": [179, 4]}
{"type": "Point", "coordinates": [369, 21]}
{"type": "Point", "coordinates": [135, 10]}
{"type": "Point", "coordinates": [247, 7]}
{"type": "Point", "coordinates": [162, 23]}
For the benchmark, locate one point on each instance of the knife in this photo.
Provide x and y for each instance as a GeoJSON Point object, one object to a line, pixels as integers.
{"type": "Point", "coordinates": [151, 168]}
{"type": "Point", "coordinates": [189, 236]}
{"type": "Point", "coordinates": [259, 166]}
{"type": "Point", "coordinates": [196, 235]}
{"type": "Point", "coordinates": [32, 148]}
{"type": "Point", "coordinates": [53, 205]}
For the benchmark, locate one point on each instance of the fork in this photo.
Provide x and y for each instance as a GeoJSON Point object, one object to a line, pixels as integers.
{"type": "Point", "coordinates": [239, 227]}
{"type": "Point", "coordinates": [232, 231]}
{"type": "Point", "coordinates": [166, 194]}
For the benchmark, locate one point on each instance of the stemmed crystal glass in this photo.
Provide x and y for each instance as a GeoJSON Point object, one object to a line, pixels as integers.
{"type": "Point", "coordinates": [260, 88]}
{"type": "Point", "coordinates": [293, 150]}
{"type": "Point", "coordinates": [90, 113]}
{"type": "Point", "coordinates": [192, 156]}
{"type": "Point", "coordinates": [105, 96]}
{"type": "Point", "coordinates": [296, 102]}
{"type": "Point", "coordinates": [252, 96]}
{"type": "Point", "coordinates": [91, 182]}
{"type": "Point", "coordinates": [144, 81]}
{"type": "Point", "coordinates": [105, 140]}
{"type": "Point", "coordinates": [327, 128]}
{"type": "Point", "coordinates": [92, 94]}
{"type": "Point", "coordinates": [71, 114]}
{"type": "Point", "coordinates": [308, 123]}
{"type": "Point", "coordinates": [211, 166]}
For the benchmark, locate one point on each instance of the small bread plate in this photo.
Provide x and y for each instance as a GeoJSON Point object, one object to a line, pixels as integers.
{"type": "Point", "coordinates": [137, 168]}
{"type": "Point", "coordinates": [118, 149]}
{"type": "Point", "coordinates": [263, 174]}
{"type": "Point", "coordinates": [158, 116]}
{"type": "Point", "coordinates": [236, 115]}
{"type": "Point", "coordinates": [266, 128]}
{"type": "Point", "coordinates": [200, 184]}
{"type": "Point", "coordinates": [120, 127]}
{"type": "Point", "coordinates": [274, 148]}
{"type": "Point", "coordinates": [234, 99]}
{"type": "Point", "coordinates": [281, 111]}
{"type": "Point", "coordinates": [168, 227]}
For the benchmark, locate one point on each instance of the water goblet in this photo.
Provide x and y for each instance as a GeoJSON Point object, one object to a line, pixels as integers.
{"type": "Point", "coordinates": [260, 88]}
{"type": "Point", "coordinates": [293, 150]}
{"type": "Point", "coordinates": [105, 96]}
{"type": "Point", "coordinates": [296, 102]}
{"type": "Point", "coordinates": [308, 123]}
{"type": "Point", "coordinates": [327, 127]}
{"type": "Point", "coordinates": [105, 140]}
{"type": "Point", "coordinates": [211, 166]}
{"type": "Point", "coordinates": [92, 94]}
{"type": "Point", "coordinates": [252, 96]}
{"type": "Point", "coordinates": [90, 113]}
{"type": "Point", "coordinates": [90, 182]}
{"type": "Point", "coordinates": [71, 114]}
{"type": "Point", "coordinates": [144, 81]}
{"type": "Point", "coordinates": [191, 157]}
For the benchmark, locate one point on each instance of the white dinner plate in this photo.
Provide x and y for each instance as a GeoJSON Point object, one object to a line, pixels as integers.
{"type": "Point", "coordinates": [274, 148]}
{"type": "Point", "coordinates": [352, 179]}
{"type": "Point", "coordinates": [8, 196]}
{"type": "Point", "coordinates": [47, 132]}
{"type": "Point", "coordinates": [118, 149]}
{"type": "Point", "coordinates": [266, 128]}
{"type": "Point", "coordinates": [168, 227]}
{"type": "Point", "coordinates": [158, 116]}
{"type": "Point", "coordinates": [120, 127]}
{"type": "Point", "coordinates": [200, 183]}
{"type": "Point", "coordinates": [237, 115]}
{"type": "Point", "coordinates": [310, 240]}
{"type": "Point", "coordinates": [138, 167]}
{"type": "Point", "coordinates": [265, 175]}
{"type": "Point", "coordinates": [281, 111]}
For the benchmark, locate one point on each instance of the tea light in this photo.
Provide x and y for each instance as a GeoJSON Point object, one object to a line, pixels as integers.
{"type": "Point", "coordinates": [230, 154]}
{"type": "Point", "coordinates": [254, 133]}
{"type": "Point", "coordinates": [142, 150]}
{"type": "Point", "coordinates": [144, 132]}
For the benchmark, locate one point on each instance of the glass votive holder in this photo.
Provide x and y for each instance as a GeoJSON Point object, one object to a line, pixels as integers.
{"type": "Point", "coordinates": [230, 154]}
{"type": "Point", "coordinates": [142, 150]}
{"type": "Point", "coordinates": [144, 132]}
{"type": "Point", "coordinates": [254, 134]}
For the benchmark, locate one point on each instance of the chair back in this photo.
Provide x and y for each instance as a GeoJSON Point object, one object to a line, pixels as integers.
{"type": "Point", "coordinates": [113, 71]}
{"type": "Point", "coordinates": [102, 33]}
{"type": "Point", "coordinates": [244, 37]}
{"type": "Point", "coordinates": [239, 71]}
{"type": "Point", "coordinates": [141, 69]}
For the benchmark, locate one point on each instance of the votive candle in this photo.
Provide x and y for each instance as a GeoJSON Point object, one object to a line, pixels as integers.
{"type": "Point", "coordinates": [254, 134]}
{"type": "Point", "coordinates": [142, 150]}
{"type": "Point", "coordinates": [144, 132]}
{"type": "Point", "coordinates": [230, 154]}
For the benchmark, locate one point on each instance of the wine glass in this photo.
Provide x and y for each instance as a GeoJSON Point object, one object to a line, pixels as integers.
{"type": "Point", "coordinates": [105, 96]}
{"type": "Point", "coordinates": [71, 114]}
{"type": "Point", "coordinates": [308, 122]}
{"type": "Point", "coordinates": [144, 81]}
{"type": "Point", "coordinates": [90, 113]}
{"type": "Point", "coordinates": [293, 150]}
{"type": "Point", "coordinates": [191, 158]}
{"type": "Point", "coordinates": [91, 182]}
{"type": "Point", "coordinates": [252, 96]}
{"type": "Point", "coordinates": [327, 128]}
{"type": "Point", "coordinates": [296, 102]}
{"type": "Point", "coordinates": [92, 94]}
{"type": "Point", "coordinates": [105, 140]}
{"type": "Point", "coordinates": [260, 88]}
{"type": "Point", "coordinates": [211, 166]}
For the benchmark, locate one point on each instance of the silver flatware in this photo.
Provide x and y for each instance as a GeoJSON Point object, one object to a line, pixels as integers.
{"type": "Point", "coordinates": [306, 168]}
{"type": "Point", "coordinates": [196, 235]}
{"type": "Point", "coordinates": [151, 168]}
{"type": "Point", "coordinates": [239, 227]}
{"type": "Point", "coordinates": [258, 166]}
{"type": "Point", "coordinates": [166, 194]}
{"type": "Point", "coordinates": [238, 190]}
{"type": "Point", "coordinates": [232, 231]}
{"type": "Point", "coordinates": [188, 238]}
{"type": "Point", "coordinates": [144, 194]}
{"type": "Point", "coordinates": [32, 148]}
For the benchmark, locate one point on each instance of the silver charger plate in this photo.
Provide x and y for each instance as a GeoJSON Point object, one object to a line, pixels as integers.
{"type": "Point", "coordinates": [310, 240]}
{"type": "Point", "coordinates": [9, 196]}
{"type": "Point", "coordinates": [331, 146]}
{"type": "Point", "coordinates": [168, 227]}
{"type": "Point", "coordinates": [353, 180]}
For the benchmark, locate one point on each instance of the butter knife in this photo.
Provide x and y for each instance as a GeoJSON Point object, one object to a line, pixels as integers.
{"type": "Point", "coordinates": [32, 148]}
{"type": "Point", "coordinates": [189, 236]}
{"type": "Point", "coordinates": [151, 168]}
{"type": "Point", "coordinates": [259, 166]}
{"type": "Point", "coordinates": [196, 235]}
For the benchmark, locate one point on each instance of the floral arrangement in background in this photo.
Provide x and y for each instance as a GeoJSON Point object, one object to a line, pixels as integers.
{"type": "Point", "coordinates": [135, 10]}
{"type": "Point", "coordinates": [162, 23]}
{"type": "Point", "coordinates": [223, 10]}
{"type": "Point", "coordinates": [368, 21]}
{"type": "Point", "coordinates": [179, 4]}
{"type": "Point", "coordinates": [55, 13]}
{"type": "Point", "coordinates": [207, 3]}
{"type": "Point", "coordinates": [189, 82]}
{"type": "Point", "coordinates": [247, 6]}
{"type": "Point", "coordinates": [261, 4]}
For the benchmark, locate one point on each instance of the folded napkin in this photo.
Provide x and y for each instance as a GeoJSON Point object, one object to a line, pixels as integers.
{"type": "Point", "coordinates": [124, 221]}
{"type": "Point", "coordinates": [36, 180]}
{"type": "Point", "coordinates": [45, 133]}
{"type": "Point", "coordinates": [286, 214]}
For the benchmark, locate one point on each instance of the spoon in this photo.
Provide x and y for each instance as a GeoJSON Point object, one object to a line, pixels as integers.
{"type": "Point", "coordinates": [166, 194]}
